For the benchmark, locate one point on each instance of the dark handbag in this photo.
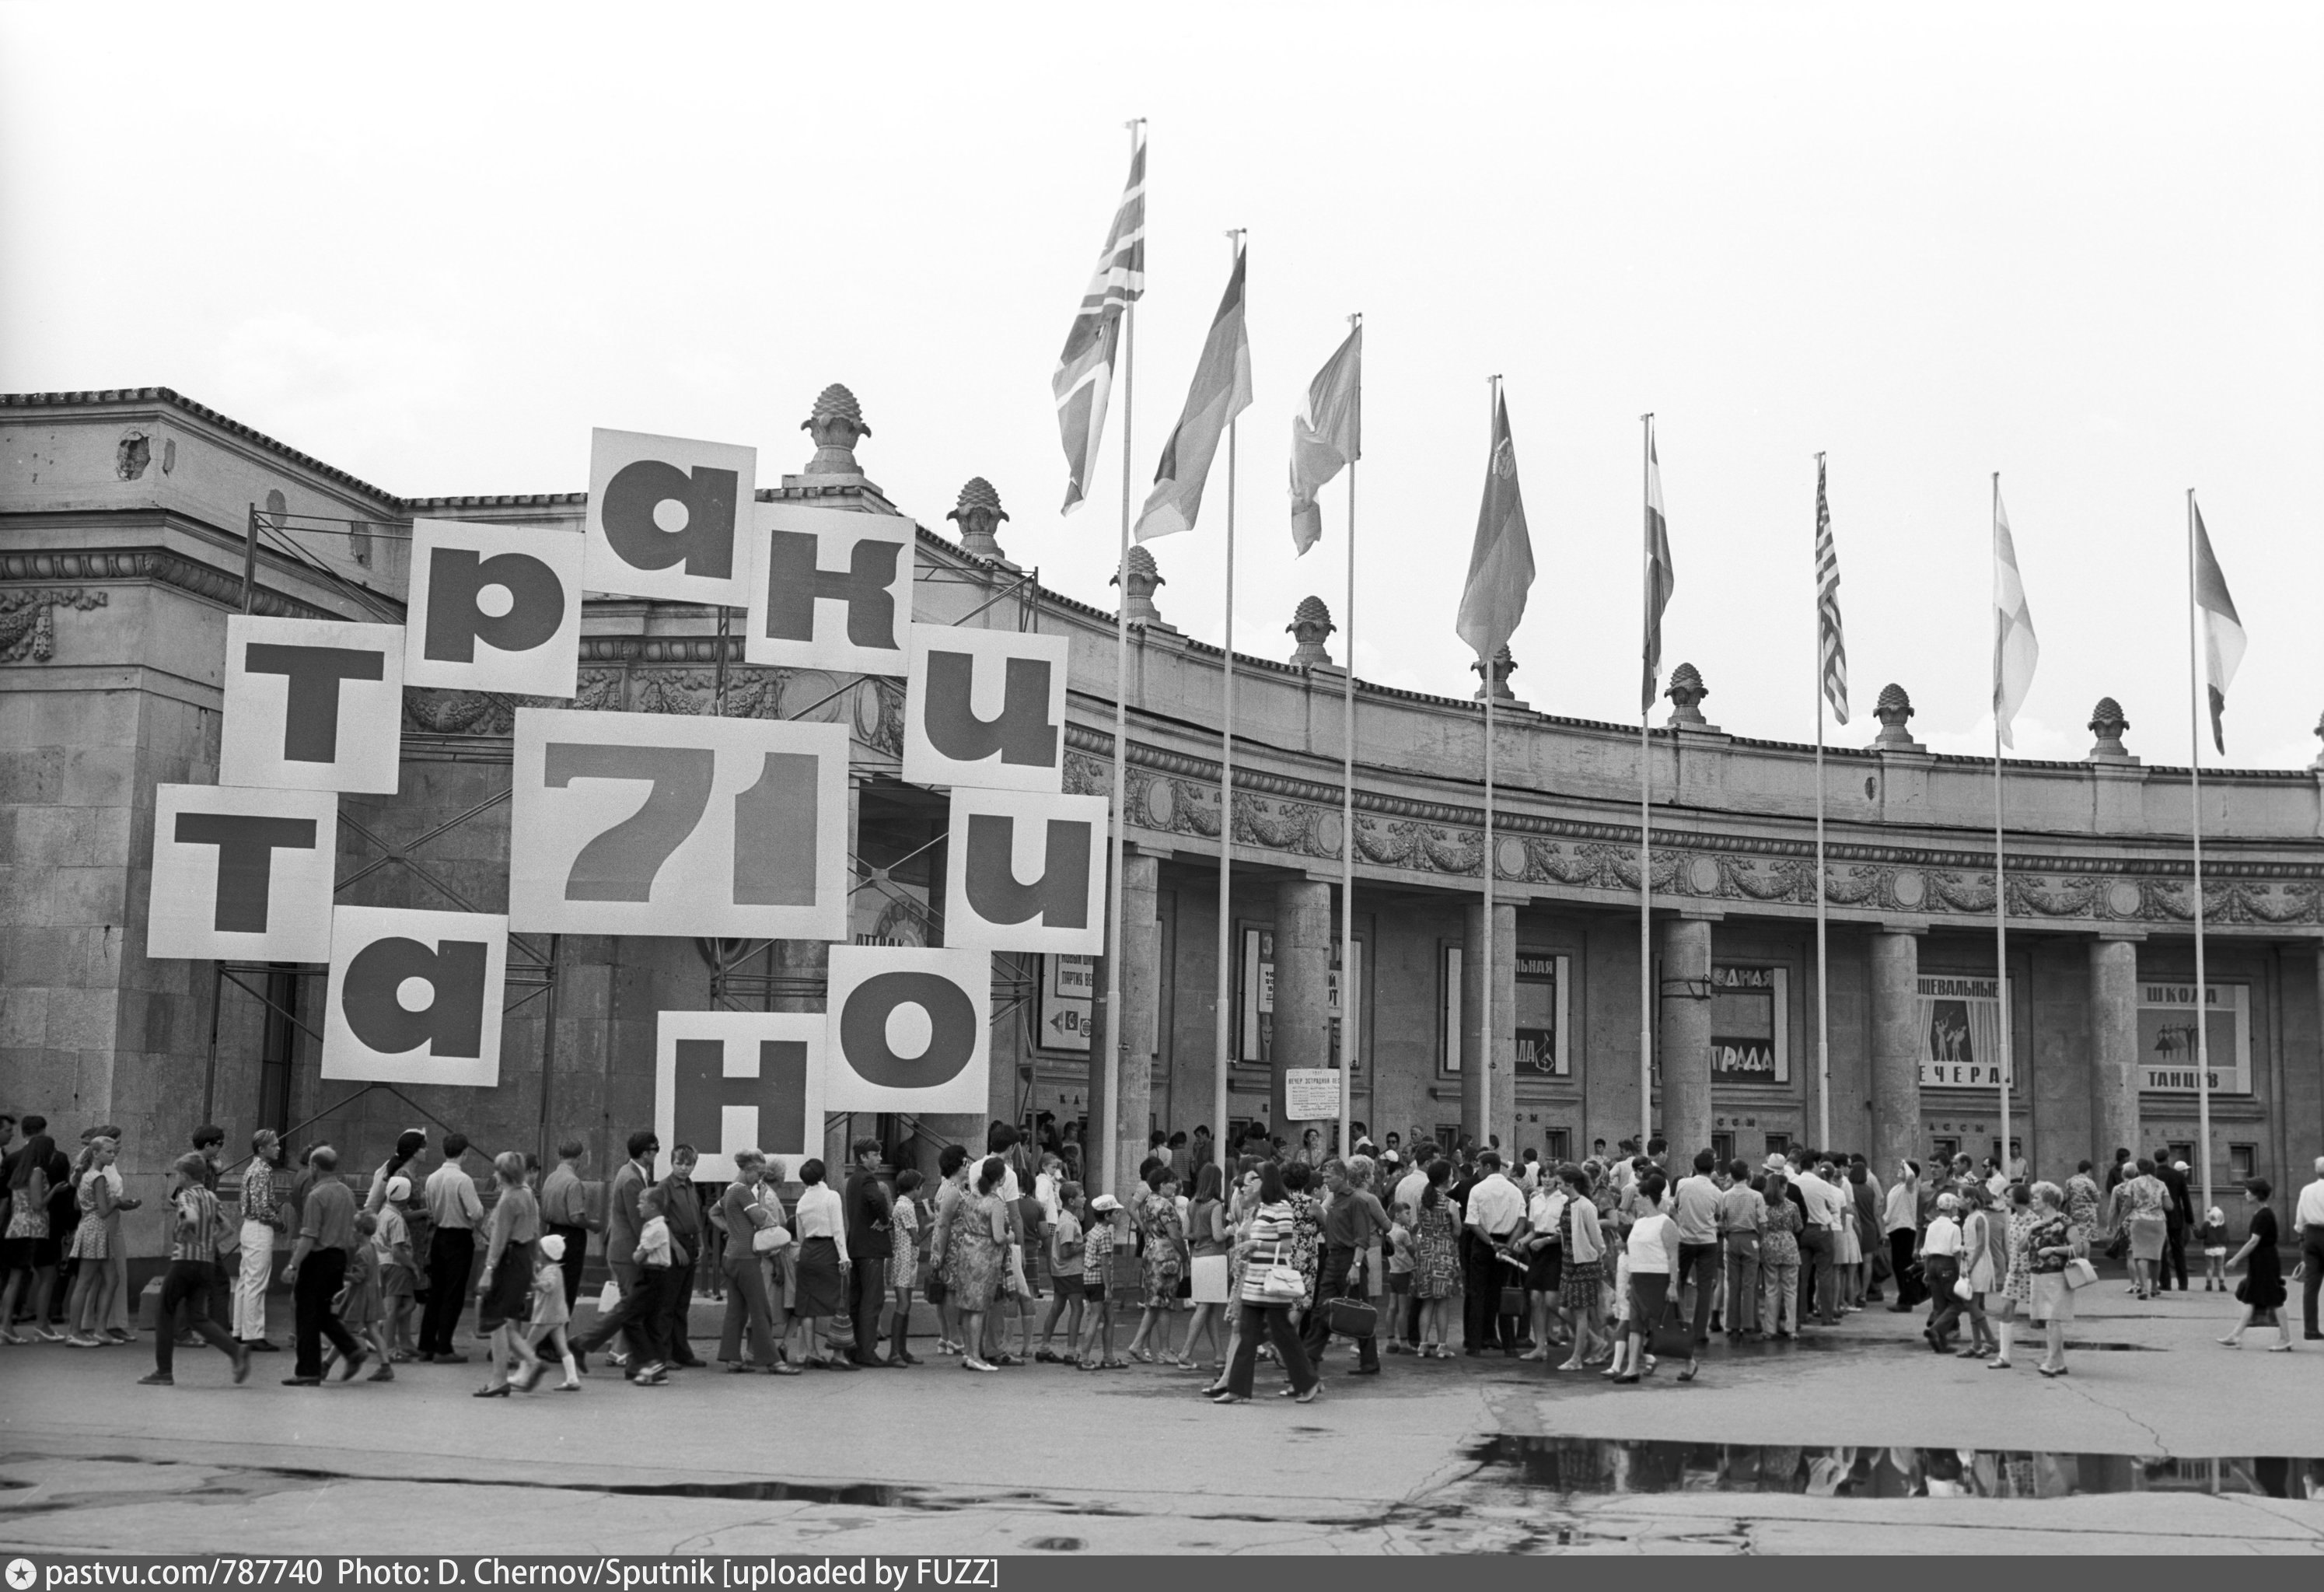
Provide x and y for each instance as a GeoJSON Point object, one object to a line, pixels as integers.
{"type": "Point", "coordinates": [1513, 1301]}
{"type": "Point", "coordinates": [1351, 1317]}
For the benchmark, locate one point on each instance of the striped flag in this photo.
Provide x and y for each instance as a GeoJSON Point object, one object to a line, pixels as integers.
{"type": "Point", "coordinates": [2223, 631]}
{"type": "Point", "coordinates": [1661, 579]}
{"type": "Point", "coordinates": [1500, 561]}
{"type": "Point", "coordinates": [1220, 392]}
{"type": "Point", "coordinates": [1326, 435]}
{"type": "Point", "coordinates": [1084, 375]}
{"type": "Point", "coordinates": [2015, 648]}
{"type": "Point", "coordinates": [1829, 644]}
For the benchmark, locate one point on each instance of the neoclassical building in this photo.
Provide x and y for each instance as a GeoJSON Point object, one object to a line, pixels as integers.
{"type": "Point", "coordinates": [132, 523]}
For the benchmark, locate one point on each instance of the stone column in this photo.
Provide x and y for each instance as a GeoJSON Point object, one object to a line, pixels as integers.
{"type": "Point", "coordinates": [1895, 1049]}
{"type": "Point", "coordinates": [1132, 1076]}
{"type": "Point", "coordinates": [1303, 990]}
{"type": "Point", "coordinates": [1685, 1017]}
{"type": "Point", "coordinates": [2113, 1048]}
{"type": "Point", "coordinates": [1487, 1075]}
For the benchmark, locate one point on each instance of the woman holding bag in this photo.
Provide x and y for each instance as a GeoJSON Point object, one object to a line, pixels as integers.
{"type": "Point", "coordinates": [745, 1221]}
{"type": "Point", "coordinates": [1207, 1236]}
{"type": "Point", "coordinates": [1271, 1288]}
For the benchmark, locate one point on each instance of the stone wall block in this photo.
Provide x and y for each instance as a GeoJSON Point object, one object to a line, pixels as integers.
{"type": "Point", "coordinates": [31, 773]}
{"type": "Point", "coordinates": [89, 895]}
{"type": "Point", "coordinates": [24, 1020]}
{"type": "Point", "coordinates": [57, 835]}
{"type": "Point", "coordinates": [102, 776]}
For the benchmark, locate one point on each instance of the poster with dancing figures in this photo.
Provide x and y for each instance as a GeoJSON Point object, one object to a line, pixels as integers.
{"type": "Point", "coordinates": [1960, 1034]}
{"type": "Point", "coordinates": [2166, 1037]}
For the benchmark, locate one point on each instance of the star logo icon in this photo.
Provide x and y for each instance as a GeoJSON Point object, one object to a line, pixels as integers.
{"type": "Point", "coordinates": [21, 1575]}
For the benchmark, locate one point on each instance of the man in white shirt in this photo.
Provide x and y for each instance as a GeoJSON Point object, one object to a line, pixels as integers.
{"type": "Point", "coordinates": [1818, 1245]}
{"type": "Point", "coordinates": [1411, 1186]}
{"type": "Point", "coordinates": [1496, 1214]}
{"type": "Point", "coordinates": [2308, 1216]}
{"type": "Point", "coordinates": [1940, 1263]}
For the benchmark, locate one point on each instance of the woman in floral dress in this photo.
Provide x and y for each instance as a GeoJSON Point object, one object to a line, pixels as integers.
{"type": "Point", "coordinates": [1779, 1261]}
{"type": "Point", "coordinates": [2018, 1280]}
{"type": "Point", "coordinates": [1437, 1263]}
{"type": "Point", "coordinates": [1161, 1265]}
{"type": "Point", "coordinates": [1306, 1250]}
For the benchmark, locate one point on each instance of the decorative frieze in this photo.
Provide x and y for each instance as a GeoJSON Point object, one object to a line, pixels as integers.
{"type": "Point", "coordinates": [28, 620]}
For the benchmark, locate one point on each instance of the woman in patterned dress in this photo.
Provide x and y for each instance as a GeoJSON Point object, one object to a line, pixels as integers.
{"type": "Point", "coordinates": [904, 1264]}
{"type": "Point", "coordinates": [1306, 1247]}
{"type": "Point", "coordinates": [93, 1198]}
{"type": "Point", "coordinates": [1779, 1261]}
{"type": "Point", "coordinates": [1437, 1263]}
{"type": "Point", "coordinates": [2048, 1247]}
{"type": "Point", "coordinates": [1163, 1263]}
{"type": "Point", "coordinates": [976, 1257]}
{"type": "Point", "coordinates": [2017, 1273]}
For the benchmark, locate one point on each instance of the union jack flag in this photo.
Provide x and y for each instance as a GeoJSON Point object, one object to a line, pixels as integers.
{"type": "Point", "coordinates": [1829, 643]}
{"type": "Point", "coordinates": [1084, 375]}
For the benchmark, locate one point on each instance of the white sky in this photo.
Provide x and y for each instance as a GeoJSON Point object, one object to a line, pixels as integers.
{"type": "Point", "coordinates": [2077, 244]}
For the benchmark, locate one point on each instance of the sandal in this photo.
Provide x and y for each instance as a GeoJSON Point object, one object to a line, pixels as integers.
{"type": "Point", "coordinates": [1143, 1356]}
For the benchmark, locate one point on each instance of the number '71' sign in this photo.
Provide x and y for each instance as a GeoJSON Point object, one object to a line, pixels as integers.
{"type": "Point", "coordinates": [640, 823]}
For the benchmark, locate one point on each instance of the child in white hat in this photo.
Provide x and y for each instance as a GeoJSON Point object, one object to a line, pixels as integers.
{"type": "Point", "coordinates": [550, 1316]}
{"type": "Point", "coordinates": [2213, 1236]}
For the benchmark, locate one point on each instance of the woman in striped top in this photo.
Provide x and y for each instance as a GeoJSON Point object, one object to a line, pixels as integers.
{"type": "Point", "coordinates": [1267, 1243]}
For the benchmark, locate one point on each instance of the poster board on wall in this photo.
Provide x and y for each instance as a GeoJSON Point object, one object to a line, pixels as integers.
{"type": "Point", "coordinates": [2166, 1036]}
{"type": "Point", "coordinates": [415, 997]}
{"type": "Point", "coordinates": [729, 1081]}
{"type": "Point", "coordinates": [1750, 1024]}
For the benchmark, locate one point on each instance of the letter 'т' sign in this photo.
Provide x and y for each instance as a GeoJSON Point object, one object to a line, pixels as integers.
{"type": "Point", "coordinates": [908, 1030]}
{"type": "Point", "coordinates": [494, 608]}
{"type": "Point", "coordinates": [1025, 872]}
{"type": "Point", "coordinates": [731, 1081]}
{"type": "Point", "coordinates": [415, 997]}
{"type": "Point", "coordinates": [312, 705]}
{"type": "Point", "coordinates": [242, 873]}
{"type": "Point", "coordinates": [830, 588]}
{"type": "Point", "coordinates": [985, 707]}
{"type": "Point", "coordinates": [646, 823]}
{"type": "Point", "coordinates": [666, 517]}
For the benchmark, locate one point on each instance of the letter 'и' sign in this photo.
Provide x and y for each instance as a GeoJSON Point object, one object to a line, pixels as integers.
{"type": "Point", "coordinates": [832, 588]}
{"type": "Point", "coordinates": [312, 705]}
{"type": "Point", "coordinates": [242, 874]}
{"type": "Point", "coordinates": [494, 608]}
{"type": "Point", "coordinates": [985, 707]}
{"type": "Point", "coordinates": [731, 1081]}
{"type": "Point", "coordinates": [907, 1030]}
{"type": "Point", "coordinates": [1025, 872]}
{"type": "Point", "coordinates": [666, 517]}
{"type": "Point", "coordinates": [415, 997]}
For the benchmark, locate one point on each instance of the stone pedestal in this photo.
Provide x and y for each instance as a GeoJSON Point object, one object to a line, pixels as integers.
{"type": "Point", "coordinates": [1896, 1051]}
{"type": "Point", "coordinates": [1303, 990]}
{"type": "Point", "coordinates": [1685, 1001]}
{"type": "Point", "coordinates": [2113, 1048]}
{"type": "Point", "coordinates": [1487, 1075]}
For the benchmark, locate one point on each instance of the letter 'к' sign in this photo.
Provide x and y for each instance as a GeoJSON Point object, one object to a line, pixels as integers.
{"type": "Point", "coordinates": [242, 874]}
{"type": "Point", "coordinates": [985, 707]}
{"type": "Point", "coordinates": [1024, 871]}
{"type": "Point", "coordinates": [666, 516]}
{"type": "Point", "coordinates": [733, 1081]}
{"type": "Point", "coordinates": [830, 588]}
{"type": "Point", "coordinates": [312, 705]}
{"type": "Point", "coordinates": [494, 608]}
{"type": "Point", "coordinates": [907, 1030]}
{"type": "Point", "coordinates": [415, 997]}
{"type": "Point", "coordinates": [646, 823]}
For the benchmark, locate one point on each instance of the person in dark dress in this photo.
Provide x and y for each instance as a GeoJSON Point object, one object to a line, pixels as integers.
{"type": "Point", "coordinates": [2261, 1288]}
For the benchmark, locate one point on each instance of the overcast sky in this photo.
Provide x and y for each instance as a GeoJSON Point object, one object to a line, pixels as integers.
{"type": "Point", "coordinates": [2077, 245]}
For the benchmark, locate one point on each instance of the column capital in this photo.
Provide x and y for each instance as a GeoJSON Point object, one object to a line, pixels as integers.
{"type": "Point", "coordinates": [1690, 912]}
{"type": "Point", "coordinates": [1911, 925]}
{"type": "Point", "coordinates": [2121, 932]}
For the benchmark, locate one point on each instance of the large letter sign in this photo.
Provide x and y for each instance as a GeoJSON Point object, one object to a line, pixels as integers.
{"type": "Point", "coordinates": [665, 517]}
{"type": "Point", "coordinates": [729, 1081]}
{"type": "Point", "coordinates": [908, 1030]}
{"type": "Point", "coordinates": [242, 873]}
{"type": "Point", "coordinates": [644, 823]}
{"type": "Point", "coordinates": [494, 608]}
{"type": "Point", "coordinates": [1025, 872]}
{"type": "Point", "coordinates": [415, 997]}
{"type": "Point", "coordinates": [985, 707]}
{"type": "Point", "coordinates": [830, 588]}
{"type": "Point", "coordinates": [312, 705]}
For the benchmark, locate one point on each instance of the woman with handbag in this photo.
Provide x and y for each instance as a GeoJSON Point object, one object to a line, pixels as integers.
{"type": "Point", "coordinates": [2049, 1246]}
{"type": "Point", "coordinates": [1161, 1262]}
{"type": "Point", "coordinates": [2261, 1288]}
{"type": "Point", "coordinates": [1271, 1286]}
{"type": "Point", "coordinates": [1207, 1240]}
{"type": "Point", "coordinates": [1980, 1269]}
{"type": "Point", "coordinates": [1653, 1250]}
{"type": "Point", "coordinates": [1580, 1282]}
{"type": "Point", "coordinates": [751, 1231]}
{"type": "Point", "coordinates": [2140, 1212]}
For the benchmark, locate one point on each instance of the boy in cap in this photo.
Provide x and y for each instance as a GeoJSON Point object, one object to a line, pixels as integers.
{"type": "Point", "coordinates": [1097, 1271]}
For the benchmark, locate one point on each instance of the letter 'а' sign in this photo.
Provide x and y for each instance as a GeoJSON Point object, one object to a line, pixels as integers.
{"type": "Point", "coordinates": [494, 608]}
{"type": "Point", "coordinates": [415, 997]}
{"type": "Point", "coordinates": [907, 1030]}
{"type": "Point", "coordinates": [666, 517]}
{"type": "Point", "coordinates": [312, 705]}
{"type": "Point", "coordinates": [645, 823]}
{"type": "Point", "coordinates": [830, 588]}
{"type": "Point", "coordinates": [242, 873]}
{"type": "Point", "coordinates": [985, 707]}
{"type": "Point", "coordinates": [731, 1081]}
{"type": "Point", "coordinates": [1025, 872]}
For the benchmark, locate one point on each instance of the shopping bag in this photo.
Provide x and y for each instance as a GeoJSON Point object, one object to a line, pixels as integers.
{"type": "Point", "coordinates": [1351, 1317]}
{"type": "Point", "coordinates": [2080, 1273]}
{"type": "Point", "coordinates": [608, 1298]}
{"type": "Point", "coordinates": [1208, 1273]}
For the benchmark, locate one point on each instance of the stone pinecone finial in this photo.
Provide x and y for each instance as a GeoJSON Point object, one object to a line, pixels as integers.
{"type": "Point", "coordinates": [1144, 576]}
{"type": "Point", "coordinates": [1309, 625]}
{"type": "Point", "coordinates": [1894, 712]}
{"type": "Point", "coordinates": [979, 514]}
{"type": "Point", "coordinates": [1686, 693]}
{"type": "Point", "coordinates": [835, 426]}
{"type": "Point", "coordinates": [2107, 723]}
{"type": "Point", "coordinates": [1503, 667]}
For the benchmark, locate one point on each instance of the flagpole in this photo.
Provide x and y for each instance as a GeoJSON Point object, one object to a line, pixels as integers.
{"type": "Point", "coordinates": [2000, 881]}
{"type": "Point", "coordinates": [1646, 852]}
{"type": "Point", "coordinates": [1823, 1009]}
{"type": "Point", "coordinates": [2195, 795]}
{"type": "Point", "coordinates": [1486, 1049]}
{"type": "Point", "coordinates": [1222, 1029]}
{"type": "Point", "coordinates": [1117, 1036]}
{"type": "Point", "coordinates": [1348, 1018]}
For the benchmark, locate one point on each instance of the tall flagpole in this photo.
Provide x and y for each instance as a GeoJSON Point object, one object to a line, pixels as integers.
{"type": "Point", "coordinates": [2195, 791]}
{"type": "Point", "coordinates": [1117, 1036]}
{"type": "Point", "coordinates": [1646, 857]}
{"type": "Point", "coordinates": [1348, 993]}
{"type": "Point", "coordinates": [1486, 1049]}
{"type": "Point", "coordinates": [1823, 1008]}
{"type": "Point", "coordinates": [2000, 880]}
{"type": "Point", "coordinates": [1223, 1029]}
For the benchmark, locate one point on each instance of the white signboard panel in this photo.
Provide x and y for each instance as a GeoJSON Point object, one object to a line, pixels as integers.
{"type": "Point", "coordinates": [1959, 1019]}
{"type": "Point", "coordinates": [415, 997]}
{"type": "Point", "coordinates": [494, 608]}
{"type": "Point", "coordinates": [830, 588]}
{"type": "Point", "coordinates": [1311, 1093]}
{"type": "Point", "coordinates": [1024, 871]}
{"type": "Point", "coordinates": [312, 705]}
{"type": "Point", "coordinates": [985, 707]}
{"type": "Point", "coordinates": [908, 1030]}
{"type": "Point", "coordinates": [733, 1081]}
{"type": "Point", "coordinates": [666, 516]}
{"type": "Point", "coordinates": [242, 874]}
{"type": "Point", "coordinates": [2166, 1037]}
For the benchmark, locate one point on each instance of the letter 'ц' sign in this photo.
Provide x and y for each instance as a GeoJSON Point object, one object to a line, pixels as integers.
{"type": "Point", "coordinates": [985, 707]}
{"type": "Point", "coordinates": [242, 874]}
{"type": "Point", "coordinates": [312, 705]}
{"type": "Point", "coordinates": [907, 1030]}
{"type": "Point", "coordinates": [666, 516]}
{"type": "Point", "coordinates": [830, 588]}
{"type": "Point", "coordinates": [644, 823]}
{"type": "Point", "coordinates": [729, 1081]}
{"type": "Point", "coordinates": [415, 997]}
{"type": "Point", "coordinates": [494, 608]}
{"type": "Point", "coordinates": [1025, 872]}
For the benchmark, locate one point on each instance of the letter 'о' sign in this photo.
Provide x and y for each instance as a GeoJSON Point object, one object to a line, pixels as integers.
{"type": "Point", "coordinates": [830, 588]}
{"type": "Point", "coordinates": [985, 707]}
{"type": "Point", "coordinates": [242, 873]}
{"type": "Point", "coordinates": [644, 823]}
{"type": "Point", "coordinates": [729, 1080]}
{"type": "Point", "coordinates": [415, 997]}
{"type": "Point", "coordinates": [908, 1030]}
{"type": "Point", "coordinates": [666, 516]}
{"type": "Point", "coordinates": [494, 608]}
{"type": "Point", "coordinates": [312, 705]}
{"type": "Point", "coordinates": [1025, 872]}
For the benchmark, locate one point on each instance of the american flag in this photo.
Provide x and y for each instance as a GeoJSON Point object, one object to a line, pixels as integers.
{"type": "Point", "coordinates": [1085, 375]}
{"type": "Point", "coordinates": [1829, 643]}
{"type": "Point", "coordinates": [1661, 579]}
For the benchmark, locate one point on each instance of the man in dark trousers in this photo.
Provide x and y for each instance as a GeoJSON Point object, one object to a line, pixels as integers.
{"type": "Point", "coordinates": [1353, 1223]}
{"type": "Point", "coordinates": [869, 1243]}
{"type": "Point", "coordinates": [2179, 1212]}
{"type": "Point", "coordinates": [319, 1265]}
{"type": "Point", "coordinates": [565, 1212]}
{"type": "Point", "coordinates": [681, 1206]}
{"type": "Point", "coordinates": [456, 1211]}
{"type": "Point", "coordinates": [1492, 1212]}
{"type": "Point", "coordinates": [622, 1220]}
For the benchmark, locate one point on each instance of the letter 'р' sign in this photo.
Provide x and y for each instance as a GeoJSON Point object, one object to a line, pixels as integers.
{"type": "Point", "coordinates": [242, 874]}
{"type": "Point", "coordinates": [1025, 872]}
{"type": "Point", "coordinates": [415, 997]}
{"type": "Point", "coordinates": [830, 588]}
{"type": "Point", "coordinates": [494, 608]}
{"type": "Point", "coordinates": [985, 707]}
{"type": "Point", "coordinates": [729, 1081]}
{"type": "Point", "coordinates": [908, 1030]}
{"type": "Point", "coordinates": [666, 517]}
{"type": "Point", "coordinates": [312, 705]}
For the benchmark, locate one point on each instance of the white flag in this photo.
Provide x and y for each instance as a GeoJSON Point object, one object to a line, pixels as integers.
{"type": "Point", "coordinates": [2015, 648]}
{"type": "Point", "coordinates": [1326, 435]}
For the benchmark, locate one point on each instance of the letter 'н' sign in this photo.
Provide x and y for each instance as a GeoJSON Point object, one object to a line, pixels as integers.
{"type": "Point", "coordinates": [646, 823]}
{"type": "Point", "coordinates": [907, 1030]}
{"type": "Point", "coordinates": [830, 588]}
{"type": "Point", "coordinates": [666, 516]}
{"type": "Point", "coordinates": [1024, 871]}
{"type": "Point", "coordinates": [415, 997]}
{"type": "Point", "coordinates": [242, 874]}
{"type": "Point", "coordinates": [985, 707]}
{"type": "Point", "coordinates": [494, 608]}
{"type": "Point", "coordinates": [312, 705]}
{"type": "Point", "coordinates": [732, 1080]}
